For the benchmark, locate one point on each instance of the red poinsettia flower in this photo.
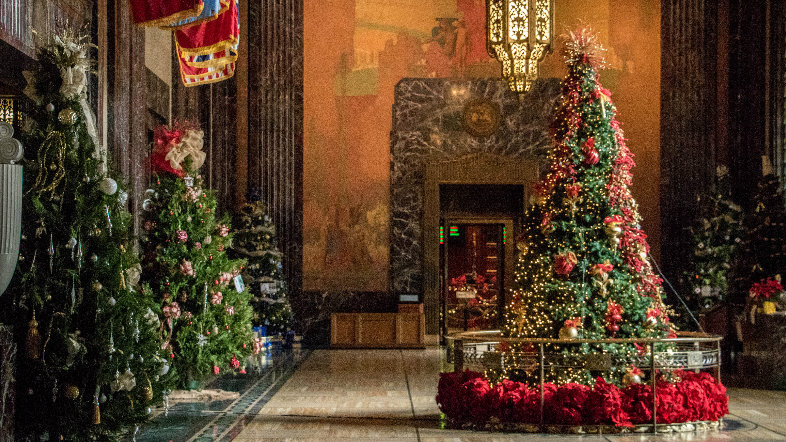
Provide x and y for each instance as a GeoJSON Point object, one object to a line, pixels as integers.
{"type": "Point", "coordinates": [566, 405]}
{"type": "Point", "coordinates": [766, 288]}
{"type": "Point", "coordinates": [606, 405]}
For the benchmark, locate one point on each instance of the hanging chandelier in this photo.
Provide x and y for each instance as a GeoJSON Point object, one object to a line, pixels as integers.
{"type": "Point", "coordinates": [519, 33]}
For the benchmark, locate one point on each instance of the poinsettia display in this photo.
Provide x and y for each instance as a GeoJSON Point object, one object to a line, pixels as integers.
{"type": "Point", "coordinates": [206, 316]}
{"type": "Point", "coordinates": [766, 288]}
{"type": "Point", "coordinates": [716, 237]}
{"type": "Point", "coordinates": [583, 257]}
{"type": "Point", "coordinates": [469, 399]}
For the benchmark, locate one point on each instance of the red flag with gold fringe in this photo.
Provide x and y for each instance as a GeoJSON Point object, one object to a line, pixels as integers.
{"type": "Point", "coordinates": [163, 12]}
{"type": "Point", "coordinates": [207, 51]}
{"type": "Point", "coordinates": [211, 36]}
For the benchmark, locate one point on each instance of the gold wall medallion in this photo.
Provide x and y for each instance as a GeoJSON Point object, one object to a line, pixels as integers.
{"type": "Point", "coordinates": [481, 117]}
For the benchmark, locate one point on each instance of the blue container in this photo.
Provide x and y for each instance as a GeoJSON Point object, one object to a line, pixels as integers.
{"type": "Point", "coordinates": [260, 331]}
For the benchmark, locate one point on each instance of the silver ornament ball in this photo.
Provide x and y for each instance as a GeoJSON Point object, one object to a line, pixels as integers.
{"type": "Point", "coordinates": [108, 186]}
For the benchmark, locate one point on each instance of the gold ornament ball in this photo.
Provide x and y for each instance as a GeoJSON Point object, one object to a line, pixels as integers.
{"type": "Point", "coordinates": [146, 393]}
{"type": "Point", "coordinates": [613, 229]}
{"type": "Point", "coordinates": [630, 378]}
{"type": "Point", "coordinates": [97, 286]}
{"type": "Point", "coordinates": [71, 392]}
{"type": "Point", "coordinates": [67, 116]}
{"type": "Point", "coordinates": [568, 333]}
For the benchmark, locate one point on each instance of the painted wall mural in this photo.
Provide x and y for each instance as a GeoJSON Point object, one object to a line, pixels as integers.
{"type": "Point", "coordinates": [351, 70]}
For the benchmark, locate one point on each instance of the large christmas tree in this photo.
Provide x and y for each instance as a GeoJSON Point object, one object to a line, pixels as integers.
{"type": "Point", "coordinates": [89, 363]}
{"type": "Point", "coordinates": [583, 268]}
{"type": "Point", "coordinates": [206, 312]}
{"type": "Point", "coordinates": [255, 241]}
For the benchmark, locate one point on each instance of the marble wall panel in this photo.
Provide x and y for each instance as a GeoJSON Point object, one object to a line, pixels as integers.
{"type": "Point", "coordinates": [427, 127]}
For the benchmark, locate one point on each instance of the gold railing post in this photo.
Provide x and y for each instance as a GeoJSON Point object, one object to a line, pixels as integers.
{"type": "Point", "coordinates": [542, 393]}
{"type": "Point", "coordinates": [458, 355]}
{"type": "Point", "coordinates": [720, 359]}
{"type": "Point", "coordinates": [654, 380]}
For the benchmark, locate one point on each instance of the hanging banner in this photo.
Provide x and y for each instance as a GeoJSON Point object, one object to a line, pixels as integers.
{"type": "Point", "coordinates": [207, 52]}
{"type": "Point", "coordinates": [211, 11]}
{"type": "Point", "coordinates": [163, 12]}
{"type": "Point", "coordinates": [212, 36]}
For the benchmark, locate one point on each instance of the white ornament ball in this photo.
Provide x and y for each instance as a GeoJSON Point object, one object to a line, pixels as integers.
{"type": "Point", "coordinates": [122, 197]}
{"type": "Point", "coordinates": [164, 369]}
{"type": "Point", "coordinates": [108, 186]}
{"type": "Point", "coordinates": [71, 243]}
{"type": "Point", "coordinates": [50, 107]}
{"type": "Point", "coordinates": [112, 301]}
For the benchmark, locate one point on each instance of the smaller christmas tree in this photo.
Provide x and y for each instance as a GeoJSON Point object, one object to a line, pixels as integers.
{"type": "Point", "coordinates": [255, 241]}
{"type": "Point", "coordinates": [206, 315]}
{"type": "Point", "coordinates": [763, 251]}
{"type": "Point", "coordinates": [716, 237]}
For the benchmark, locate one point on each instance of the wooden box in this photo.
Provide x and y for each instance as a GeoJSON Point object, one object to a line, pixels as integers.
{"type": "Point", "coordinates": [377, 330]}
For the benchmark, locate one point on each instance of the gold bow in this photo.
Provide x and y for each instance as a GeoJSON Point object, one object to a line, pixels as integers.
{"type": "Point", "coordinates": [190, 145]}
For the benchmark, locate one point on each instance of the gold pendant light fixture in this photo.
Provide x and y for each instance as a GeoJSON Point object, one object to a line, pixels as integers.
{"type": "Point", "coordinates": [519, 34]}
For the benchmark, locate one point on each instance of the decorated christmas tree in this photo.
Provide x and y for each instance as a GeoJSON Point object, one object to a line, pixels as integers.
{"type": "Point", "coordinates": [89, 364]}
{"type": "Point", "coordinates": [763, 250]}
{"type": "Point", "coordinates": [255, 241]}
{"type": "Point", "coordinates": [206, 313]}
{"type": "Point", "coordinates": [583, 268]}
{"type": "Point", "coordinates": [716, 237]}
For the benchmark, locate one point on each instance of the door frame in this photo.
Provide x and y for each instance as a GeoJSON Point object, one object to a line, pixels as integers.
{"type": "Point", "coordinates": [481, 168]}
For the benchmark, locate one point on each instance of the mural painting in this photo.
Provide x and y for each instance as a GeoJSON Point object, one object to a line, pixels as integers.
{"type": "Point", "coordinates": [351, 72]}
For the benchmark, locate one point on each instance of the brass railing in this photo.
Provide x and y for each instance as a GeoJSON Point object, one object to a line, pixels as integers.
{"type": "Point", "coordinates": [688, 351]}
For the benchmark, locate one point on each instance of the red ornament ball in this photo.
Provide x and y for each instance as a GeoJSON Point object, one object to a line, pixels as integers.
{"type": "Point", "coordinates": [172, 356]}
{"type": "Point", "coordinates": [227, 327]}
{"type": "Point", "coordinates": [207, 333]}
{"type": "Point", "coordinates": [615, 328]}
{"type": "Point", "coordinates": [616, 318]}
{"type": "Point", "coordinates": [171, 212]}
{"type": "Point", "coordinates": [591, 157]}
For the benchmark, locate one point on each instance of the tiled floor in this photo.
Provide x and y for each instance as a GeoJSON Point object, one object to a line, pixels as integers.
{"type": "Point", "coordinates": [353, 395]}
